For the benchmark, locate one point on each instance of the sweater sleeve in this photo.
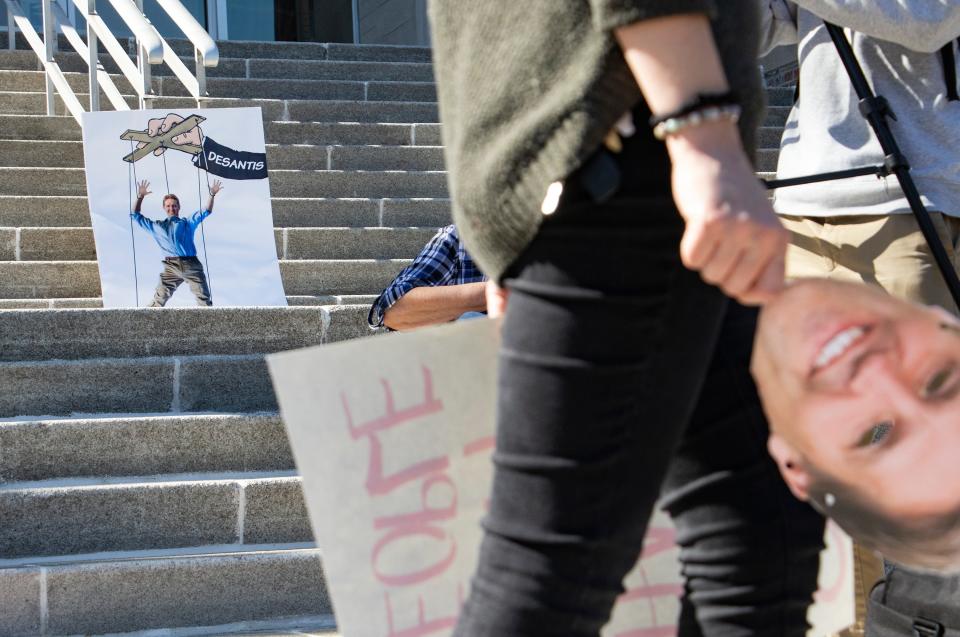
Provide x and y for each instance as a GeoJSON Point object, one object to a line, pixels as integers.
{"type": "Point", "coordinates": [919, 25]}
{"type": "Point", "coordinates": [611, 14]}
{"type": "Point", "coordinates": [778, 24]}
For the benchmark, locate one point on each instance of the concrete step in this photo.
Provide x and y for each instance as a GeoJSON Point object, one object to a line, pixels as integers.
{"type": "Point", "coordinates": [283, 183]}
{"type": "Point", "coordinates": [62, 154]}
{"type": "Point", "coordinates": [85, 515]}
{"type": "Point", "coordinates": [285, 50]}
{"type": "Point", "coordinates": [373, 90]}
{"type": "Point", "coordinates": [41, 127]}
{"type": "Point", "coordinates": [74, 334]}
{"type": "Point", "coordinates": [351, 243]}
{"type": "Point", "coordinates": [80, 279]}
{"type": "Point", "coordinates": [51, 304]}
{"type": "Point", "coordinates": [312, 51]}
{"type": "Point", "coordinates": [152, 374]}
{"type": "Point", "coordinates": [76, 244]}
{"type": "Point", "coordinates": [70, 334]}
{"type": "Point", "coordinates": [289, 132]}
{"type": "Point", "coordinates": [95, 302]}
{"type": "Point", "coordinates": [780, 96]}
{"type": "Point", "coordinates": [34, 103]}
{"type": "Point", "coordinates": [338, 70]}
{"type": "Point", "coordinates": [129, 445]}
{"type": "Point", "coordinates": [72, 211]}
{"type": "Point", "coordinates": [767, 159]}
{"type": "Point", "coordinates": [776, 116]}
{"type": "Point", "coordinates": [156, 385]}
{"type": "Point", "coordinates": [246, 68]}
{"type": "Point", "coordinates": [105, 594]}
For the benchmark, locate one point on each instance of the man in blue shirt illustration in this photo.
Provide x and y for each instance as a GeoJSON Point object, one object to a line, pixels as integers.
{"type": "Point", "coordinates": [174, 235]}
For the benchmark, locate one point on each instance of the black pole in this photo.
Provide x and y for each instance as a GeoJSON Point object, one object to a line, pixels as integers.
{"type": "Point", "coordinates": [876, 110]}
{"type": "Point", "coordinates": [772, 184]}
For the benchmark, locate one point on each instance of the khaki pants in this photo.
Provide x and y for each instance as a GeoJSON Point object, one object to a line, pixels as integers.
{"type": "Point", "coordinates": [176, 270]}
{"type": "Point", "coordinates": [888, 251]}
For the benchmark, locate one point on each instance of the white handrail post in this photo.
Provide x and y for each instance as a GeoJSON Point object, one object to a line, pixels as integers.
{"type": "Point", "coordinates": [49, 42]}
{"type": "Point", "coordinates": [145, 71]}
{"type": "Point", "coordinates": [201, 76]}
{"type": "Point", "coordinates": [143, 64]}
{"type": "Point", "coordinates": [11, 30]}
{"type": "Point", "coordinates": [93, 58]}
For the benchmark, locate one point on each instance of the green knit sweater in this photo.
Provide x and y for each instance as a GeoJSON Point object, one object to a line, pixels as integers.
{"type": "Point", "coordinates": [529, 88]}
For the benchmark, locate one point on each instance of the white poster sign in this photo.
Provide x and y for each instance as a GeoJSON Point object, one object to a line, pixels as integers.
{"type": "Point", "coordinates": [184, 256]}
{"type": "Point", "coordinates": [393, 437]}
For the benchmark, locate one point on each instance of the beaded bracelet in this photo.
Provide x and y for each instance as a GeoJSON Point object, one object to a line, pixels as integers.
{"type": "Point", "coordinates": [703, 108]}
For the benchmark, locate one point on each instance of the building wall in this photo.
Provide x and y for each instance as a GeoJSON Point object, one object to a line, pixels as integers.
{"type": "Point", "coordinates": [393, 22]}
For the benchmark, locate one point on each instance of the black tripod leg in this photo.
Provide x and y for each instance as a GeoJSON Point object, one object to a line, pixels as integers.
{"type": "Point", "coordinates": [876, 111]}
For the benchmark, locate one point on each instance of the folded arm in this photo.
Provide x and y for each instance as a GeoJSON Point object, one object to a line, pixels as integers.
{"type": "Point", "coordinates": [435, 268]}
{"type": "Point", "coordinates": [432, 305]}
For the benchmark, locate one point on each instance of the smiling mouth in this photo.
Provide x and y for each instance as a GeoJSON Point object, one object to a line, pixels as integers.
{"type": "Point", "coordinates": [838, 345]}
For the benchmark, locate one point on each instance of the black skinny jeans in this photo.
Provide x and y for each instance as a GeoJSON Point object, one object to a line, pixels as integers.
{"type": "Point", "coordinates": [622, 372]}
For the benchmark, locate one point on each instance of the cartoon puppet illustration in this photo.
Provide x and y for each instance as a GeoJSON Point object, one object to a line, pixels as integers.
{"type": "Point", "coordinates": [175, 234]}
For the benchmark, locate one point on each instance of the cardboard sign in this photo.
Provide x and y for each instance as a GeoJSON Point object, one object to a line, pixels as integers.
{"type": "Point", "coordinates": [182, 152]}
{"type": "Point", "coordinates": [393, 437]}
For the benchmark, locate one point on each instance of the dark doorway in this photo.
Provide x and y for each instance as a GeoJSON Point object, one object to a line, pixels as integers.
{"type": "Point", "coordinates": [314, 20]}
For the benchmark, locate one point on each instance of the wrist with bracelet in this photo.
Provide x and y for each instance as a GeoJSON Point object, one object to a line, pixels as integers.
{"type": "Point", "coordinates": [702, 109]}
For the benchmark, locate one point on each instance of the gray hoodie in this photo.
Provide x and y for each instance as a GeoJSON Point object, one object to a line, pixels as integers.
{"type": "Point", "coordinates": [897, 43]}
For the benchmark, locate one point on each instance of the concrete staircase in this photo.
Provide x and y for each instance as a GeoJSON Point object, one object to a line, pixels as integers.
{"type": "Point", "coordinates": [145, 478]}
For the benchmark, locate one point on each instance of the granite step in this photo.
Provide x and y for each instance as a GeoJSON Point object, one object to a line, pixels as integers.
{"type": "Point", "coordinates": [34, 103]}
{"type": "Point", "coordinates": [42, 127]}
{"type": "Point", "coordinates": [69, 154]}
{"type": "Point", "coordinates": [95, 302]}
{"type": "Point", "coordinates": [260, 586]}
{"type": "Point", "coordinates": [78, 333]}
{"type": "Point", "coordinates": [283, 183]}
{"type": "Point", "coordinates": [155, 385]}
{"type": "Point", "coordinates": [94, 515]}
{"type": "Point", "coordinates": [312, 51]}
{"type": "Point", "coordinates": [73, 334]}
{"type": "Point", "coordinates": [76, 244]}
{"type": "Point", "coordinates": [70, 62]}
{"type": "Point", "coordinates": [131, 445]}
{"type": "Point", "coordinates": [72, 211]}
{"type": "Point", "coordinates": [80, 279]}
{"type": "Point", "coordinates": [371, 90]}
{"type": "Point", "coordinates": [285, 50]}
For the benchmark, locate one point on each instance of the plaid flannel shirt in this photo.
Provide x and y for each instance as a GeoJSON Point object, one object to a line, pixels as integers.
{"type": "Point", "coordinates": [443, 261]}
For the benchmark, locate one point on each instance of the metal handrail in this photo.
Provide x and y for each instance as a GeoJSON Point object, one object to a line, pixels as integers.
{"type": "Point", "coordinates": [45, 50]}
{"type": "Point", "coordinates": [97, 31]}
{"type": "Point", "coordinates": [151, 49]}
{"type": "Point", "coordinates": [205, 52]}
{"type": "Point", "coordinates": [102, 77]}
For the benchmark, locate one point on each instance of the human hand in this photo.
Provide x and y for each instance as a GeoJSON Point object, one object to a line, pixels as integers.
{"type": "Point", "coordinates": [158, 126]}
{"type": "Point", "coordinates": [143, 189]}
{"type": "Point", "coordinates": [733, 238]}
{"type": "Point", "coordinates": [216, 187]}
{"type": "Point", "coordinates": [497, 298]}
